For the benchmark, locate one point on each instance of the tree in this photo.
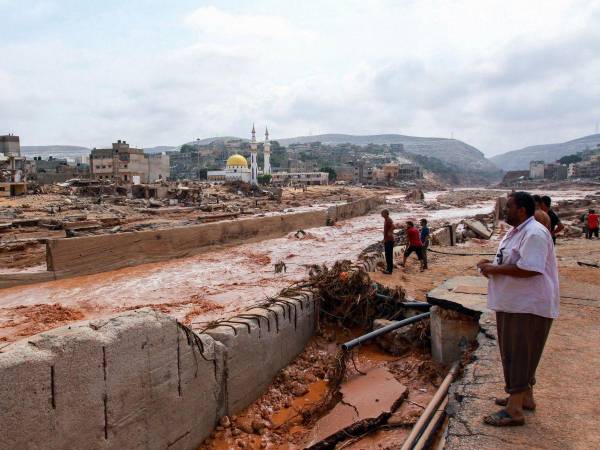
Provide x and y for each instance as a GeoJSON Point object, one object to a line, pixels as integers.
{"type": "Point", "coordinates": [187, 148]}
{"type": "Point", "coordinates": [264, 179]}
{"type": "Point", "coordinates": [331, 172]}
{"type": "Point", "coordinates": [570, 159]}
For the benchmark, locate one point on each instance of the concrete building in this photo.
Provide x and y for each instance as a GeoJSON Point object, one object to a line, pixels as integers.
{"type": "Point", "coordinates": [10, 145]}
{"type": "Point", "coordinates": [12, 167]}
{"type": "Point", "coordinates": [536, 169]}
{"type": "Point", "coordinates": [401, 172]}
{"type": "Point", "coordinates": [363, 173]}
{"type": "Point", "coordinates": [127, 164]}
{"type": "Point", "coordinates": [585, 169]}
{"type": "Point", "coordinates": [556, 172]}
{"type": "Point", "coordinates": [301, 178]}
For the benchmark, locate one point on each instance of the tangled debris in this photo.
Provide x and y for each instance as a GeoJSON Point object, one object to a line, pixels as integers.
{"type": "Point", "coordinates": [348, 296]}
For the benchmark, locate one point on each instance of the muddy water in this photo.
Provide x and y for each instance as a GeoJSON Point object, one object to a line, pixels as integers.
{"type": "Point", "coordinates": [213, 284]}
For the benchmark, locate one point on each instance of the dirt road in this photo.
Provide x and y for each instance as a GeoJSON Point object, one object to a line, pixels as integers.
{"type": "Point", "coordinates": [566, 391]}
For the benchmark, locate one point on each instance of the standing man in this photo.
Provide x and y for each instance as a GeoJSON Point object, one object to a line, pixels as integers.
{"type": "Point", "coordinates": [413, 244]}
{"type": "Point", "coordinates": [540, 215]}
{"type": "Point", "coordinates": [592, 224]}
{"type": "Point", "coordinates": [556, 225]}
{"type": "Point", "coordinates": [523, 290]}
{"type": "Point", "coordinates": [424, 241]}
{"type": "Point", "coordinates": [388, 241]}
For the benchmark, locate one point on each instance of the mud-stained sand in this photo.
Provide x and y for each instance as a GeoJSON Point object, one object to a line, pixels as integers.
{"type": "Point", "coordinates": [28, 320]}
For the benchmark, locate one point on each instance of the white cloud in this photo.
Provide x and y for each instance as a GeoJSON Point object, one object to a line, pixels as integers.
{"type": "Point", "coordinates": [497, 74]}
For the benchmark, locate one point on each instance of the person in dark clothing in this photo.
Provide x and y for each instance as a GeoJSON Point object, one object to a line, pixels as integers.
{"type": "Point", "coordinates": [424, 241]}
{"type": "Point", "coordinates": [556, 225]}
{"type": "Point", "coordinates": [413, 243]}
{"type": "Point", "coordinates": [388, 241]}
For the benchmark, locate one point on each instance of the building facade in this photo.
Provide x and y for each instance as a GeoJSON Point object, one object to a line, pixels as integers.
{"type": "Point", "coordinates": [126, 164]}
{"type": "Point", "coordinates": [299, 178]}
{"type": "Point", "coordinates": [536, 169]}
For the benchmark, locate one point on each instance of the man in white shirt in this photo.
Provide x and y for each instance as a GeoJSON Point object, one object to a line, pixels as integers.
{"type": "Point", "coordinates": [523, 290]}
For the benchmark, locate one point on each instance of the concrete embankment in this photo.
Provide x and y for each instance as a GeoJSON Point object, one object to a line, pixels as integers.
{"type": "Point", "coordinates": [141, 380]}
{"type": "Point", "coordinates": [94, 254]}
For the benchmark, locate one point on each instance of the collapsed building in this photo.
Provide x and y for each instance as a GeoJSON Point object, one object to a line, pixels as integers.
{"type": "Point", "coordinates": [12, 167]}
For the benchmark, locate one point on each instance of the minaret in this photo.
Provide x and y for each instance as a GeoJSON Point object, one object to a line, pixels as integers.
{"type": "Point", "coordinates": [253, 158]}
{"type": "Point", "coordinates": [267, 166]}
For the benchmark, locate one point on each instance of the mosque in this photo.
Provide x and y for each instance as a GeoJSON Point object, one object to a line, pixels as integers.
{"type": "Point", "coordinates": [236, 168]}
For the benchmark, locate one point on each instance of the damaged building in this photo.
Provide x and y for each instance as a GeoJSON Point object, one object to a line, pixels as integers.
{"type": "Point", "coordinates": [128, 164]}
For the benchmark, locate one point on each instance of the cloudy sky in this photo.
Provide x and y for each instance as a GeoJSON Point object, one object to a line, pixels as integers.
{"type": "Point", "coordinates": [499, 75]}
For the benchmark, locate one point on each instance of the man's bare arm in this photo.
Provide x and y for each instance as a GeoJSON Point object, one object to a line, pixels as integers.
{"type": "Point", "coordinates": [507, 269]}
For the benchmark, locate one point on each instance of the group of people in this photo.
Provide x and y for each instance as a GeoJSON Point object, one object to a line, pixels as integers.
{"type": "Point", "coordinates": [590, 224]}
{"type": "Point", "coordinates": [417, 241]}
{"type": "Point", "coordinates": [523, 290]}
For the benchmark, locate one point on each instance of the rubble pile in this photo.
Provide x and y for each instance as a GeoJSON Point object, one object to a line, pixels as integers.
{"type": "Point", "coordinates": [468, 197]}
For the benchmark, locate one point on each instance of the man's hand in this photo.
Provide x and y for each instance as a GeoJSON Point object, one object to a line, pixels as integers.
{"type": "Point", "coordinates": [484, 267]}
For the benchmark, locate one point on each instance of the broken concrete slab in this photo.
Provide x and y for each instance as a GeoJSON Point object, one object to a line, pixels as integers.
{"type": "Point", "coordinates": [466, 295]}
{"type": "Point", "coordinates": [479, 229]}
{"type": "Point", "coordinates": [367, 401]}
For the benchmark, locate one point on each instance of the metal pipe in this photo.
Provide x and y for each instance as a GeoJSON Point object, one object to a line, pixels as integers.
{"type": "Point", "coordinates": [416, 305]}
{"type": "Point", "coordinates": [373, 334]}
{"type": "Point", "coordinates": [434, 424]}
{"type": "Point", "coordinates": [425, 418]}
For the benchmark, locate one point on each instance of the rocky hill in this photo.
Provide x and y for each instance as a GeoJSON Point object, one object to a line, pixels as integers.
{"type": "Point", "coordinates": [519, 159]}
{"type": "Point", "coordinates": [456, 155]}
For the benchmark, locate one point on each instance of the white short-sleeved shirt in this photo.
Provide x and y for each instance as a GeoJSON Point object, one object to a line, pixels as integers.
{"type": "Point", "coordinates": [530, 247]}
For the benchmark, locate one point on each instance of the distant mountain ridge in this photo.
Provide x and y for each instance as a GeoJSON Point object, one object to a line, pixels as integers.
{"type": "Point", "coordinates": [519, 159]}
{"type": "Point", "coordinates": [73, 151]}
{"type": "Point", "coordinates": [451, 151]}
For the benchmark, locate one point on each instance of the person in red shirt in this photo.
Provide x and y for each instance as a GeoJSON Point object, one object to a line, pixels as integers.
{"type": "Point", "coordinates": [388, 241]}
{"type": "Point", "coordinates": [414, 244]}
{"type": "Point", "coordinates": [592, 222]}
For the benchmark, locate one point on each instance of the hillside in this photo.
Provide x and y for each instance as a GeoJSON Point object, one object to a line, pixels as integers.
{"type": "Point", "coordinates": [73, 151]}
{"type": "Point", "coordinates": [58, 151]}
{"type": "Point", "coordinates": [519, 159]}
{"type": "Point", "coordinates": [456, 154]}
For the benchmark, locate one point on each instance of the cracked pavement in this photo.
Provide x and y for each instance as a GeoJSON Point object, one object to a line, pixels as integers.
{"type": "Point", "coordinates": [567, 388]}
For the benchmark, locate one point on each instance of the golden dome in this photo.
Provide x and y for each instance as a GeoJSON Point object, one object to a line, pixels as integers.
{"type": "Point", "coordinates": [236, 161]}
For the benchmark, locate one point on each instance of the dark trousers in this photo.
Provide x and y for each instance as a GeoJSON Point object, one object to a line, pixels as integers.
{"type": "Point", "coordinates": [389, 255]}
{"type": "Point", "coordinates": [424, 253]}
{"type": "Point", "coordinates": [592, 232]}
{"type": "Point", "coordinates": [521, 338]}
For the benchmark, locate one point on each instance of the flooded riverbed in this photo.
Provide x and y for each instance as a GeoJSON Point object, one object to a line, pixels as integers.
{"type": "Point", "coordinates": [206, 286]}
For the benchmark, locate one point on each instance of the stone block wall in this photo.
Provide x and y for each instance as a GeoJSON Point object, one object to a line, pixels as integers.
{"type": "Point", "coordinates": [141, 380]}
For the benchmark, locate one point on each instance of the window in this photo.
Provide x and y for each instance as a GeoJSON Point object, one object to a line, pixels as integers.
{"type": "Point", "coordinates": [97, 167]}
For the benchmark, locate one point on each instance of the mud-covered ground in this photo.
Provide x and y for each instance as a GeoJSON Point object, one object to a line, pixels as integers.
{"type": "Point", "coordinates": [64, 214]}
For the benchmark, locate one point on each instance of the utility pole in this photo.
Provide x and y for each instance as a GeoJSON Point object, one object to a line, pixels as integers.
{"type": "Point", "coordinates": [198, 154]}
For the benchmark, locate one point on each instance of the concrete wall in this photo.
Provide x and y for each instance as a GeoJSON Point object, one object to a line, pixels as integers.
{"type": "Point", "coordinates": [93, 254]}
{"type": "Point", "coordinates": [354, 209]}
{"type": "Point", "coordinates": [140, 380]}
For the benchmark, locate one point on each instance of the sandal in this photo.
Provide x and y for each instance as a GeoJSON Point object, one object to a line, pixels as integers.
{"type": "Point", "coordinates": [504, 402]}
{"type": "Point", "coordinates": [503, 419]}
